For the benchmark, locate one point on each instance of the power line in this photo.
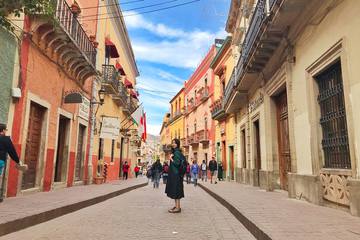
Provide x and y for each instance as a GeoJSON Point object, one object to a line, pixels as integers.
{"type": "Point", "coordinates": [151, 11]}
{"type": "Point", "coordinates": [115, 4]}
{"type": "Point", "coordinates": [128, 15]}
{"type": "Point", "coordinates": [134, 9]}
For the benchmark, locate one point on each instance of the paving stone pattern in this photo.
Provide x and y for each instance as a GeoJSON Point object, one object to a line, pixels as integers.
{"type": "Point", "coordinates": [142, 214]}
{"type": "Point", "coordinates": [283, 218]}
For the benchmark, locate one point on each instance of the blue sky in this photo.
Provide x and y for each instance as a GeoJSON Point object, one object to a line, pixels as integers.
{"type": "Point", "coordinates": [168, 45]}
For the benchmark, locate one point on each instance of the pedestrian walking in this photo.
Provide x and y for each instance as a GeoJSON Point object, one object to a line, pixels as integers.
{"type": "Point", "coordinates": [203, 171]}
{"type": "Point", "coordinates": [195, 172]}
{"type": "Point", "coordinates": [220, 171]}
{"type": "Point", "coordinates": [149, 173]}
{"type": "Point", "coordinates": [136, 170]}
{"type": "Point", "coordinates": [125, 170]}
{"type": "Point", "coordinates": [156, 170]}
{"type": "Point", "coordinates": [213, 169]}
{"type": "Point", "coordinates": [165, 173]}
{"type": "Point", "coordinates": [7, 148]}
{"type": "Point", "coordinates": [175, 186]}
{"type": "Point", "coordinates": [188, 173]}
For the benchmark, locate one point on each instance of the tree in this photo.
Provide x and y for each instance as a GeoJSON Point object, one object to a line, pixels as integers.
{"type": "Point", "coordinates": [28, 7]}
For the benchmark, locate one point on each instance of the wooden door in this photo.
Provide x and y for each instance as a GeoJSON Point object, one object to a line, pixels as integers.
{"type": "Point", "coordinates": [257, 151]}
{"type": "Point", "coordinates": [283, 139]}
{"type": "Point", "coordinates": [79, 153]}
{"type": "Point", "coordinates": [33, 142]}
{"type": "Point", "coordinates": [61, 151]}
{"type": "Point", "coordinates": [223, 156]}
{"type": "Point", "coordinates": [232, 163]}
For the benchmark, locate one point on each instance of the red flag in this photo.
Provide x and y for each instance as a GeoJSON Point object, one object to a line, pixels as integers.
{"type": "Point", "coordinates": [143, 123]}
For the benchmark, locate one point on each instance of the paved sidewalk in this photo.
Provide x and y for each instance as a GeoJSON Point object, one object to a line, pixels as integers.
{"type": "Point", "coordinates": [24, 211]}
{"type": "Point", "coordinates": [283, 218]}
{"type": "Point", "coordinates": [142, 215]}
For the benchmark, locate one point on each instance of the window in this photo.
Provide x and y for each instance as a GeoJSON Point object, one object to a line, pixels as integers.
{"type": "Point", "coordinates": [335, 143]}
{"type": "Point", "coordinates": [112, 150]}
{"type": "Point", "coordinates": [195, 128]}
{"type": "Point", "coordinates": [205, 124]}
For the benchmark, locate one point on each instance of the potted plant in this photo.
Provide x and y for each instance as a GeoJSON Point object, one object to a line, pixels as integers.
{"type": "Point", "coordinates": [75, 9]}
{"type": "Point", "coordinates": [92, 38]}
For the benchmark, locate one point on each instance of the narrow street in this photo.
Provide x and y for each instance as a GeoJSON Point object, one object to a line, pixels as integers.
{"type": "Point", "coordinates": [142, 214]}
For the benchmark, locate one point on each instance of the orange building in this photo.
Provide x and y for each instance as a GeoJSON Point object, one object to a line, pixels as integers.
{"type": "Point", "coordinates": [49, 129]}
{"type": "Point", "coordinates": [199, 126]}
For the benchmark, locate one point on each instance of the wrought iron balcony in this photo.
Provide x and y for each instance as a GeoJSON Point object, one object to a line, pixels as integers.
{"type": "Point", "coordinates": [218, 110]}
{"type": "Point", "coordinates": [175, 116]}
{"type": "Point", "coordinates": [121, 96]}
{"type": "Point", "coordinates": [110, 79]}
{"type": "Point", "coordinates": [195, 139]}
{"type": "Point", "coordinates": [190, 139]}
{"type": "Point", "coordinates": [204, 93]}
{"type": "Point", "coordinates": [230, 87]}
{"type": "Point", "coordinates": [203, 136]}
{"type": "Point", "coordinates": [64, 41]}
{"type": "Point", "coordinates": [184, 142]}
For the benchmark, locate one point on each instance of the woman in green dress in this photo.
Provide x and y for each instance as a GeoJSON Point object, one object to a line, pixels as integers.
{"type": "Point", "coordinates": [175, 186]}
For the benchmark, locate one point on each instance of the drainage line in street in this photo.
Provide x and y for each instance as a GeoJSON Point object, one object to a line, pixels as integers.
{"type": "Point", "coordinates": [29, 221]}
{"type": "Point", "coordinates": [249, 225]}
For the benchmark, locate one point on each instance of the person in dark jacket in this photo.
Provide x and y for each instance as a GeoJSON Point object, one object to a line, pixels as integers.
{"type": "Point", "coordinates": [7, 148]}
{"type": "Point", "coordinates": [175, 186]}
{"type": "Point", "coordinates": [220, 172]}
{"type": "Point", "coordinates": [165, 172]}
{"type": "Point", "coordinates": [213, 169]}
{"type": "Point", "coordinates": [156, 171]}
{"type": "Point", "coordinates": [125, 169]}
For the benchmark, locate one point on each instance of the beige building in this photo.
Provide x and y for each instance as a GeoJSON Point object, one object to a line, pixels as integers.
{"type": "Point", "coordinates": [165, 139]}
{"type": "Point", "coordinates": [295, 90]}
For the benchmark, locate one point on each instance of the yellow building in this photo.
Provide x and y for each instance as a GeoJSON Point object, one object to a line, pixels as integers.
{"type": "Point", "coordinates": [115, 60]}
{"type": "Point", "coordinates": [165, 139]}
{"type": "Point", "coordinates": [176, 121]}
{"type": "Point", "coordinates": [225, 136]}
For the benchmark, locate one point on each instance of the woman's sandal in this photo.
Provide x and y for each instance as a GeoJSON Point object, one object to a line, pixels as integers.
{"type": "Point", "coordinates": [172, 209]}
{"type": "Point", "coordinates": [175, 210]}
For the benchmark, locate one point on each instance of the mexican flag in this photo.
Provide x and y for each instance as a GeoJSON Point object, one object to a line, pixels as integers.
{"type": "Point", "coordinates": [139, 119]}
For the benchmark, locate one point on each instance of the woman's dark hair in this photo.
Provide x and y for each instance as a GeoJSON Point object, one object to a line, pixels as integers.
{"type": "Point", "coordinates": [2, 127]}
{"type": "Point", "coordinates": [177, 141]}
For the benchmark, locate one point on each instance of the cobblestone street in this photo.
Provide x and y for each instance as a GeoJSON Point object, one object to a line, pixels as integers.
{"type": "Point", "coordinates": [142, 214]}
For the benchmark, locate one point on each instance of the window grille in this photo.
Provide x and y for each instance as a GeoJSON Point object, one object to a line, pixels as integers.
{"type": "Point", "coordinates": [333, 118]}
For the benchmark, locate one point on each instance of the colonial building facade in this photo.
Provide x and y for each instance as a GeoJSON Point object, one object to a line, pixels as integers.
{"type": "Point", "coordinates": [199, 126]}
{"type": "Point", "coordinates": [294, 91]}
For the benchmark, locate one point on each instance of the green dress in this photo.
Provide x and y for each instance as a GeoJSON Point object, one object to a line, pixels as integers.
{"type": "Point", "coordinates": [175, 185]}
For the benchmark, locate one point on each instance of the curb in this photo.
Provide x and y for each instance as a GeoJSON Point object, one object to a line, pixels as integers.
{"type": "Point", "coordinates": [249, 225]}
{"type": "Point", "coordinates": [29, 221]}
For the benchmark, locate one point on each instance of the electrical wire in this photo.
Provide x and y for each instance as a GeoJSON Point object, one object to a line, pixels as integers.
{"type": "Point", "coordinates": [141, 13]}
{"type": "Point", "coordinates": [116, 4]}
{"type": "Point", "coordinates": [132, 9]}
{"type": "Point", "coordinates": [128, 15]}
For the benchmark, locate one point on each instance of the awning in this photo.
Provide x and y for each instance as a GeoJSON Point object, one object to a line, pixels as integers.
{"type": "Point", "coordinates": [110, 49]}
{"type": "Point", "coordinates": [128, 84]}
{"type": "Point", "coordinates": [133, 94]}
{"type": "Point", "coordinates": [120, 68]}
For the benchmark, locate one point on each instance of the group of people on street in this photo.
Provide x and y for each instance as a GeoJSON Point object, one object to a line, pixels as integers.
{"type": "Point", "coordinates": [194, 171]}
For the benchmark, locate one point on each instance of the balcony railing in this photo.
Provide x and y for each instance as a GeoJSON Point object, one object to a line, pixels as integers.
{"type": "Point", "coordinates": [204, 94]}
{"type": "Point", "coordinates": [218, 110]}
{"type": "Point", "coordinates": [203, 136]}
{"type": "Point", "coordinates": [73, 28]}
{"type": "Point", "coordinates": [184, 142]}
{"type": "Point", "coordinates": [252, 34]}
{"type": "Point", "coordinates": [110, 78]}
{"type": "Point", "coordinates": [195, 139]}
{"type": "Point", "coordinates": [190, 139]}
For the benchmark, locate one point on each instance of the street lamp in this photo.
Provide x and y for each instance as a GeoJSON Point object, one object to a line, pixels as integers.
{"type": "Point", "coordinates": [101, 94]}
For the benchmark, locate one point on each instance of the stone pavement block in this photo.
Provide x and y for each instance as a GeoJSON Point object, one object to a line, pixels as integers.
{"type": "Point", "coordinates": [26, 210]}
{"type": "Point", "coordinates": [283, 218]}
{"type": "Point", "coordinates": [142, 214]}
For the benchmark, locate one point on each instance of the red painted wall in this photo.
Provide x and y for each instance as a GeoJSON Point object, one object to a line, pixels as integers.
{"type": "Point", "coordinates": [49, 166]}
{"type": "Point", "coordinates": [71, 169]}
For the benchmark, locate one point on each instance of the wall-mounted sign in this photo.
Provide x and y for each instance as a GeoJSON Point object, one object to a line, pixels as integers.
{"type": "Point", "coordinates": [110, 128]}
{"type": "Point", "coordinates": [256, 103]}
{"type": "Point", "coordinates": [84, 108]}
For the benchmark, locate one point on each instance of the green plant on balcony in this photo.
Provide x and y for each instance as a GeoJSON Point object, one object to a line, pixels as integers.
{"type": "Point", "coordinates": [46, 8]}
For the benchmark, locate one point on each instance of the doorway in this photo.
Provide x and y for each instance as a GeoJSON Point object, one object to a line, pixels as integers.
{"type": "Point", "coordinates": [32, 147]}
{"type": "Point", "coordinates": [80, 153]}
{"type": "Point", "coordinates": [283, 139]}
{"type": "Point", "coordinates": [257, 152]}
{"type": "Point", "coordinates": [223, 155]}
{"type": "Point", "coordinates": [62, 150]}
{"type": "Point", "coordinates": [232, 164]}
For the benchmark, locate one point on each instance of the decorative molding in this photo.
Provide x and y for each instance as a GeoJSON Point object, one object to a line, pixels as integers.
{"type": "Point", "coordinates": [335, 188]}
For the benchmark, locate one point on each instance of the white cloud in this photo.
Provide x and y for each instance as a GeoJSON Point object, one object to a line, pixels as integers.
{"type": "Point", "coordinates": [153, 129]}
{"type": "Point", "coordinates": [178, 48]}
